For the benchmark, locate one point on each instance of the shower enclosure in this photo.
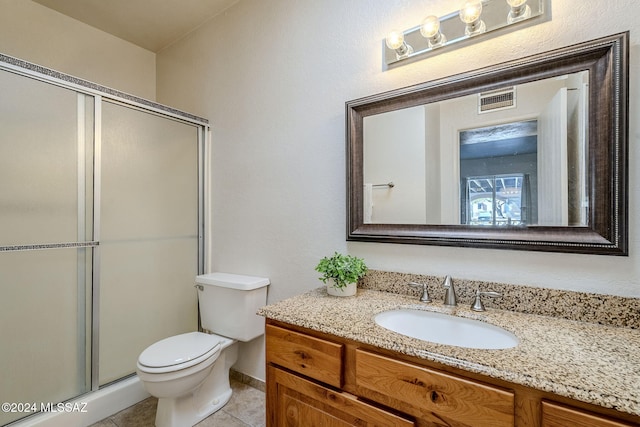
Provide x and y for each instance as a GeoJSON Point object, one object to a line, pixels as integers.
{"type": "Point", "coordinates": [101, 232]}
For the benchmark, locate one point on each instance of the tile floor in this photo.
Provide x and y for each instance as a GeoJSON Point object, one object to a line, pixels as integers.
{"type": "Point", "coordinates": [245, 409]}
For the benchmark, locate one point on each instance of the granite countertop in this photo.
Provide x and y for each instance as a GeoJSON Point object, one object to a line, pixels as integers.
{"type": "Point", "coordinates": [589, 362]}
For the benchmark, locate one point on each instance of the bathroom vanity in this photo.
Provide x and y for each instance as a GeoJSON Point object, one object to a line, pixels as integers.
{"type": "Point", "coordinates": [328, 363]}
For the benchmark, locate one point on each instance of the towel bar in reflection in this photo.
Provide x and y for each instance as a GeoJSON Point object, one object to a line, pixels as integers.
{"type": "Point", "coordinates": [389, 185]}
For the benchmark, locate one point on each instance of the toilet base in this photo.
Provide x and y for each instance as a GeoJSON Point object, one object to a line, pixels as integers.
{"type": "Point", "coordinates": [181, 412]}
{"type": "Point", "coordinates": [207, 398]}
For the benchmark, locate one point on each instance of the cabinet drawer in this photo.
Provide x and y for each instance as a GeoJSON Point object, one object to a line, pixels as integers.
{"type": "Point", "coordinates": [554, 415]}
{"type": "Point", "coordinates": [314, 357]}
{"type": "Point", "coordinates": [437, 397]}
{"type": "Point", "coordinates": [300, 402]}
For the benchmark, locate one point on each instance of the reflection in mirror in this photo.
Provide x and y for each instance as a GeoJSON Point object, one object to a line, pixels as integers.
{"type": "Point", "coordinates": [513, 156]}
{"type": "Point", "coordinates": [530, 154]}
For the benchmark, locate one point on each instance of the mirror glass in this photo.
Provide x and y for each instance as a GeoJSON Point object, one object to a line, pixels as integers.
{"type": "Point", "coordinates": [515, 156]}
{"type": "Point", "coordinates": [529, 154]}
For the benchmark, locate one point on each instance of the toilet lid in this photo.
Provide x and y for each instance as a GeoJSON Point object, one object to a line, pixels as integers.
{"type": "Point", "coordinates": [180, 349]}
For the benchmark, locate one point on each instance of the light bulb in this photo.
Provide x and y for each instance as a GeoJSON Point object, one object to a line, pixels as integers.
{"type": "Point", "coordinates": [430, 29]}
{"type": "Point", "coordinates": [470, 15]}
{"type": "Point", "coordinates": [430, 26]}
{"type": "Point", "coordinates": [395, 39]}
{"type": "Point", "coordinates": [520, 10]}
{"type": "Point", "coordinates": [471, 11]}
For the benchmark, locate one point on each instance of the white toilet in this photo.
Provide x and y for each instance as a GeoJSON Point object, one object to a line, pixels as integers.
{"type": "Point", "coordinates": [189, 373]}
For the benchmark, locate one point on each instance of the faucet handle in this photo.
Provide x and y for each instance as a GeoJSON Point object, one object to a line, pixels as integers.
{"type": "Point", "coordinates": [425, 292]}
{"type": "Point", "coordinates": [477, 304]}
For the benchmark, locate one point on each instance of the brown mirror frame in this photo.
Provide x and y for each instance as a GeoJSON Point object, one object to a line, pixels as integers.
{"type": "Point", "coordinates": [607, 60]}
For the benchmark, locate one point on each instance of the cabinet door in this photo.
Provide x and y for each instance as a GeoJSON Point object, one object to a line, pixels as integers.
{"type": "Point", "coordinates": [561, 416]}
{"type": "Point", "coordinates": [301, 403]}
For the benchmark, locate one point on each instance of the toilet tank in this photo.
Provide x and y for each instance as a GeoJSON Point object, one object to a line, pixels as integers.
{"type": "Point", "coordinates": [229, 302]}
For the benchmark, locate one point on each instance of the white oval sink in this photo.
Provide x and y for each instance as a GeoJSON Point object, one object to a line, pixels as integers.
{"type": "Point", "coordinates": [442, 328]}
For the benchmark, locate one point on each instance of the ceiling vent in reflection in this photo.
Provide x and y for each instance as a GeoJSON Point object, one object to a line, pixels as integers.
{"type": "Point", "coordinates": [496, 100]}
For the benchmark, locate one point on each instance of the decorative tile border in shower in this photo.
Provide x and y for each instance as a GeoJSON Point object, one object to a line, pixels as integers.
{"type": "Point", "coordinates": [41, 246]}
{"type": "Point", "coordinates": [579, 306]}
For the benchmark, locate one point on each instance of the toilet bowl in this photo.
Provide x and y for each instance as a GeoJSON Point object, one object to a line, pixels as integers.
{"type": "Point", "coordinates": [189, 373]}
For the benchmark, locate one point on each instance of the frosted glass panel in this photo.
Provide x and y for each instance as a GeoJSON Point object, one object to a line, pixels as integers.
{"type": "Point", "coordinates": [149, 241]}
{"type": "Point", "coordinates": [149, 175]}
{"type": "Point", "coordinates": [149, 296]}
{"type": "Point", "coordinates": [45, 141]}
{"type": "Point", "coordinates": [44, 336]}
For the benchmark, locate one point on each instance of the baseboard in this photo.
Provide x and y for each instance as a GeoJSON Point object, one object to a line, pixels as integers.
{"type": "Point", "coordinates": [248, 380]}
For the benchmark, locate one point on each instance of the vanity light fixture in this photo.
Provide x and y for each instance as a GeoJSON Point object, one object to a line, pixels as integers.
{"type": "Point", "coordinates": [430, 29]}
{"type": "Point", "coordinates": [478, 17]}
{"type": "Point", "coordinates": [470, 14]}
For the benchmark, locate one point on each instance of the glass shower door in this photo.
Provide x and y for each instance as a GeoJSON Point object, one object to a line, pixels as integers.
{"type": "Point", "coordinates": [148, 234]}
{"type": "Point", "coordinates": [101, 233]}
{"type": "Point", "coordinates": [46, 158]}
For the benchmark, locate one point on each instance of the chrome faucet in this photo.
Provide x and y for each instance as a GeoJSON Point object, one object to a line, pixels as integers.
{"type": "Point", "coordinates": [477, 304]}
{"type": "Point", "coordinates": [450, 297]}
{"type": "Point", "coordinates": [425, 292]}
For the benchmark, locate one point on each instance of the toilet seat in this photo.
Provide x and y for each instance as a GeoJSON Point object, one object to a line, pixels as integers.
{"type": "Point", "coordinates": [179, 352]}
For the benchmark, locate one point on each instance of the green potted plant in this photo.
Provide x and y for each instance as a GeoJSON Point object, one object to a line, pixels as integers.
{"type": "Point", "coordinates": [341, 273]}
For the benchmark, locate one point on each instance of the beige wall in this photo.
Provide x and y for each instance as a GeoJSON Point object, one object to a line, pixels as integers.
{"type": "Point", "coordinates": [273, 77]}
{"type": "Point", "coordinates": [40, 35]}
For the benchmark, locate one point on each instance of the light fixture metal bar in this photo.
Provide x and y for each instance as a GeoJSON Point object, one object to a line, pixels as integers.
{"type": "Point", "coordinates": [495, 15]}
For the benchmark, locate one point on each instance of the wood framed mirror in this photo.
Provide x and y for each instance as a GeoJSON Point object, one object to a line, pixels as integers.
{"type": "Point", "coordinates": [530, 154]}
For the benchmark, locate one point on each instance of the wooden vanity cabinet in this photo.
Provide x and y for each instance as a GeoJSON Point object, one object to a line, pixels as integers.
{"type": "Point", "coordinates": [312, 396]}
{"type": "Point", "coordinates": [316, 379]}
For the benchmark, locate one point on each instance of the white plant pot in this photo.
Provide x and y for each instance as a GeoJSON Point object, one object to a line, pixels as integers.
{"type": "Point", "coordinates": [347, 291]}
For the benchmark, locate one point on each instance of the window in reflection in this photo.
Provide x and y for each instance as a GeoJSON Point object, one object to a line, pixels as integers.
{"type": "Point", "coordinates": [498, 173]}
{"type": "Point", "coordinates": [497, 200]}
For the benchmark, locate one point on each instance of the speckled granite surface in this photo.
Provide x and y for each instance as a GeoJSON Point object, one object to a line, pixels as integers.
{"type": "Point", "coordinates": [580, 306]}
{"type": "Point", "coordinates": [590, 362]}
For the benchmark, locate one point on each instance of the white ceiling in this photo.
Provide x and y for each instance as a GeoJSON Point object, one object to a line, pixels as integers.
{"type": "Point", "coordinates": [151, 24]}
